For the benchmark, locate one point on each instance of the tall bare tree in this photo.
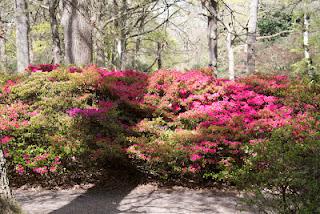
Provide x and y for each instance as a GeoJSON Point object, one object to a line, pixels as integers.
{"type": "Point", "coordinates": [22, 35]}
{"type": "Point", "coordinates": [229, 44]}
{"type": "Point", "coordinates": [99, 35]}
{"type": "Point", "coordinates": [306, 32]}
{"type": "Point", "coordinates": [56, 44]}
{"type": "Point", "coordinates": [213, 34]}
{"type": "Point", "coordinates": [251, 37]}
{"type": "Point", "coordinates": [306, 24]}
{"type": "Point", "coordinates": [77, 32]}
{"type": "Point", "coordinates": [2, 43]}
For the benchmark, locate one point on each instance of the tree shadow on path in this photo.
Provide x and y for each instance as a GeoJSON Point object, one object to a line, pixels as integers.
{"type": "Point", "coordinates": [151, 199]}
{"type": "Point", "coordinates": [132, 197]}
{"type": "Point", "coordinates": [97, 200]}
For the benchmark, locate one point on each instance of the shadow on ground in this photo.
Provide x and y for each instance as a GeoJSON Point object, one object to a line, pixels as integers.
{"type": "Point", "coordinates": [130, 198]}
{"type": "Point", "coordinates": [97, 200]}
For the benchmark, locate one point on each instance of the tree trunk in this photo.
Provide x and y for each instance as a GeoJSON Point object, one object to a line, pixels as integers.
{"type": "Point", "coordinates": [213, 35]}
{"type": "Point", "coordinates": [159, 57]}
{"type": "Point", "coordinates": [138, 42]}
{"type": "Point", "coordinates": [2, 54]}
{"type": "Point", "coordinates": [77, 32]}
{"type": "Point", "coordinates": [22, 35]}
{"type": "Point", "coordinates": [123, 35]}
{"type": "Point", "coordinates": [251, 38]}
{"type": "Point", "coordinates": [101, 56]}
{"type": "Point", "coordinates": [4, 182]}
{"type": "Point", "coordinates": [135, 57]}
{"type": "Point", "coordinates": [116, 52]}
{"type": "Point", "coordinates": [31, 52]}
{"type": "Point", "coordinates": [98, 36]}
{"type": "Point", "coordinates": [306, 25]}
{"type": "Point", "coordinates": [230, 55]}
{"type": "Point", "coordinates": [56, 49]}
{"type": "Point", "coordinates": [123, 53]}
{"type": "Point", "coordinates": [119, 51]}
{"type": "Point", "coordinates": [2, 46]}
{"type": "Point", "coordinates": [119, 59]}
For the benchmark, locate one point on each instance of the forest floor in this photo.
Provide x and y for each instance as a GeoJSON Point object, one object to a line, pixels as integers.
{"type": "Point", "coordinates": [128, 198]}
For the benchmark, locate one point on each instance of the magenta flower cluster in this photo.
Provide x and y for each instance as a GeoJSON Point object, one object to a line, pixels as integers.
{"type": "Point", "coordinates": [42, 68]}
{"type": "Point", "coordinates": [99, 111]}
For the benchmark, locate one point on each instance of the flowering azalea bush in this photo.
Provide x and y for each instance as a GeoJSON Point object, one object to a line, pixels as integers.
{"type": "Point", "coordinates": [168, 123]}
{"type": "Point", "coordinates": [14, 117]}
{"type": "Point", "coordinates": [208, 124]}
{"type": "Point", "coordinates": [42, 68]}
{"type": "Point", "coordinates": [39, 143]}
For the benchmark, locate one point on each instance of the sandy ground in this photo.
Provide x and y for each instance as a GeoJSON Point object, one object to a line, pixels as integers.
{"type": "Point", "coordinates": [147, 198]}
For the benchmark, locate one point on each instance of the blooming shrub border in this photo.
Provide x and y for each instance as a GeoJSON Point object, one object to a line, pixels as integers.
{"type": "Point", "coordinates": [182, 123]}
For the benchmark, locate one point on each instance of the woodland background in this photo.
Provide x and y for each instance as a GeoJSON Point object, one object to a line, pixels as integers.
{"type": "Point", "coordinates": [153, 34]}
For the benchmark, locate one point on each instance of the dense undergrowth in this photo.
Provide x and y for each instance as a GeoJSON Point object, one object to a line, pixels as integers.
{"type": "Point", "coordinates": [169, 124]}
{"type": "Point", "coordinates": [9, 206]}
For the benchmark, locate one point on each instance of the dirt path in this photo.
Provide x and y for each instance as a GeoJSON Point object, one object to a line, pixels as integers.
{"type": "Point", "coordinates": [146, 198]}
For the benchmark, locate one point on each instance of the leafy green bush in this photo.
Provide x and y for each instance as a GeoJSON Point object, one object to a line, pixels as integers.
{"type": "Point", "coordinates": [283, 172]}
{"type": "Point", "coordinates": [272, 22]}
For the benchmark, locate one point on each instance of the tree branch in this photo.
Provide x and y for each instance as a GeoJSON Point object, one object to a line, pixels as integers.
{"type": "Point", "coordinates": [274, 35]}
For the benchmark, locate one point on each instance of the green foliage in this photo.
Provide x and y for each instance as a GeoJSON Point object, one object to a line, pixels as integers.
{"type": "Point", "coordinates": [41, 47]}
{"type": "Point", "coordinates": [4, 77]}
{"type": "Point", "coordinates": [283, 172]}
{"type": "Point", "coordinates": [304, 91]}
{"type": "Point", "coordinates": [273, 22]}
{"type": "Point", "coordinates": [10, 50]}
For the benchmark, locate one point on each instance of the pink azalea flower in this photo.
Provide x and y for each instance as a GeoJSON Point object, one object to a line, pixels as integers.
{"type": "Point", "coordinates": [5, 139]}
{"type": "Point", "coordinates": [41, 170]}
{"type": "Point", "coordinates": [195, 157]}
{"type": "Point", "coordinates": [20, 169]}
{"type": "Point", "coordinates": [53, 169]}
{"type": "Point", "coordinates": [6, 153]}
{"type": "Point", "coordinates": [194, 168]}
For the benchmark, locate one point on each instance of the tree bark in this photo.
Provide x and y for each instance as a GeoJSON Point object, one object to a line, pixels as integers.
{"type": "Point", "coordinates": [306, 25]}
{"type": "Point", "coordinates": [251, 38]}
{"type": "Point", "coordinates": [2, 53]}
{"type": "Point", "coordinates": [22, 35]}
{"type": "Point", "coordinates": [4, 181]}
{"type": "Point", "coordinates": [116, 48]}
{"type": "Point", "coordinates": [56, 49]}
{"type": "Point", "coordinates": [138, 42]}
{"type": "Point", "coordinates": [135, 57]}
{"type": "Point", "coordinates": [98, 35]}
{"type": "Point", "coordinates": [77, 32]}
{"type": "Point", "coordinates": [31, 52]}
{"type": "Point", "coordinates": [230, 54]}
{"type": "Point", "coordinates": [120, 25]}
{"type": "Point", "coordinates": [123, 35]}
{"type": "Point", "coordinates": [123, 53]}
{"type": "Point", "coordinates": [101, 56]}
{"type": "Point", "coordinates": [213, 35]}
{"type": "Point", "coordinates": [2, 46]}
{"type": "Point", "coordinates": [159, 56]}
